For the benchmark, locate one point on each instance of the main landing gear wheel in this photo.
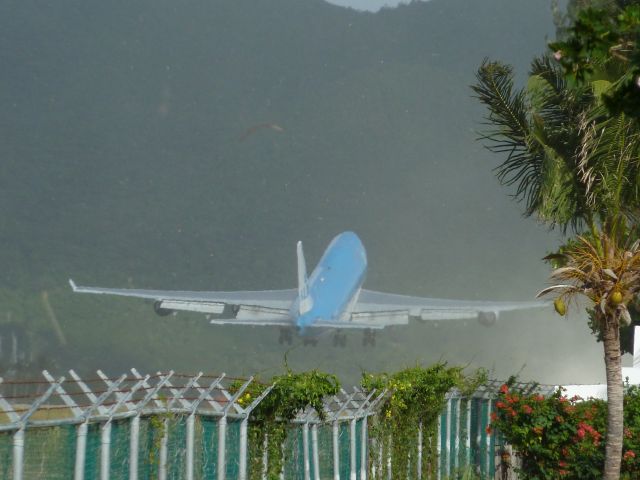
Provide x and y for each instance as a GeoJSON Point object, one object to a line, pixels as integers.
{"type": "Point", "coordinates": [340, 340]}
{"type": "Point", "coordinates": [286, 336]}
{"type": "Point", "coordinates": [369, 338]}
{"type": "Point", "coordinates": [310, 341]}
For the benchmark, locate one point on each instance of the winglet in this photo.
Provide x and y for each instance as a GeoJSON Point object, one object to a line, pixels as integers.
{"type": "Point", "coordinates": [305, 301]}
{"type": "Point", "coordinates": [73, 285]}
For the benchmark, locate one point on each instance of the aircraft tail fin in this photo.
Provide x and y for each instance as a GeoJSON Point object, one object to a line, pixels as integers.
{"type": "Point", "coordinates": [305, 301]}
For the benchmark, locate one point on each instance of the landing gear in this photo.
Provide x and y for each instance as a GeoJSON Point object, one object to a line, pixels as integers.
{"type": "Point", "coordinates": [286, 336]}
{"type": "Point", "coordinates": [339, 340]}
{"type": "Point", "coordinates": [369, 338]}
{"type": "Point", "coordinates": [310, 341]}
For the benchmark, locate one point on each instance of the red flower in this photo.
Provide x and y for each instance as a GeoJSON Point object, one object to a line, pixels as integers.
{"type": "Point", "coordinates": [500, 404]}
{"type": "Point", "coordinates": [504, 388]}
{"type": "Point", "coordinates": [494, 416]}
{"type": "Point", "coordinates": [581, 433]}
{"type": "Point", "coordinates": [527, 409]}
{"type": "Point", "coordinates": [488, 430]}
{"type": "Point", "coordinates": [628, 455]}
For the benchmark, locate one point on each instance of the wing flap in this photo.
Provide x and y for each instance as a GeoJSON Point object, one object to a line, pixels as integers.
{"type": "Point", "coordinates": [202, 307]}
{"type": "Point", "coordinates": [249, 312]}
{"type": "Point", "coordinates": [438, 308]}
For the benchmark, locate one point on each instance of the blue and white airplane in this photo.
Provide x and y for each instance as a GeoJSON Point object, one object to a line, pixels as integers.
{"type": "Point", "coordinates": [331, 297]}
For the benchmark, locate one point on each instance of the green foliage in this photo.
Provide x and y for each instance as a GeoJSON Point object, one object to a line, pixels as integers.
{"type": "Point", "coordinates": [292, 393]}
{"type": "Point", "coordinates": [537, 128]}
{"type": "Point", "coordinates": [560, 437]}
{"type": "Point", "coordinates": [603, 44]}
{"type": "Point", "coordinates": [416, 398]}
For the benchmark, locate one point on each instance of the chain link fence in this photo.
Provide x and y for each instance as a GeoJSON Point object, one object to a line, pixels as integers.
{"type": "Point", "coordinates": [187, 427]}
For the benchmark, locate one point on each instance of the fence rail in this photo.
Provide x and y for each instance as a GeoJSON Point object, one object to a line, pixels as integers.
{"type": "Point", "coordinates": [176, 426]}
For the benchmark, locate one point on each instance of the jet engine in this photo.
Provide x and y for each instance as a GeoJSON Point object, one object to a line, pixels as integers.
{"type": "Point", "coordinates": [488, 319]}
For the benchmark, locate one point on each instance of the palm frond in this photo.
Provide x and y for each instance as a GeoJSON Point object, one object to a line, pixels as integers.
{"type": "Point", "coordinates": [512, 132]}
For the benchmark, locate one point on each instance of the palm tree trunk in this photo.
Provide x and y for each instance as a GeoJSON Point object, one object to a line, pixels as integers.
{"type": "Point", "coordinates": [613, 451]}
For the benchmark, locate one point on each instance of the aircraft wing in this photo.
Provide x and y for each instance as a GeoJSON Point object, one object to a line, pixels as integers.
{"type": "Point", "coordinates": [437, 308]}
{"type": "Point", "coordinates": [276, 302]}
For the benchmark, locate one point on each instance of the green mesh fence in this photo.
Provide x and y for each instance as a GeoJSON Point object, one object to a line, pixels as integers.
{"type": "Point", "coordinates": [206, 448]}
{"type": "Point", "coordinates": [453, 450]}
{"type": "Point", "coordinates": [474, 432]}
{"type": "Point", "coordinates": [6, 454]}
{"type": "Point", "coordinates": [176, 446]}
{"type": "Point", "coordinates": [49, 452]}
{"type": "Point", "coordinates": [359, 447]}
{"type": "Point", "coordinates": [294, 453]}
{"type": "Point", "coordinates": [232, 455]}
{"type": "Point", "coordinates": [325, 450]}
{"type": "Point", "coordinates": [344, 449]}
{"type": "Point", "coordinates": [444, 429]}
{"type": "Point", "coordinates": [92, 452]}
{"type": "Point", "coordinates": [120, 441]}
{"type": "Point", "coordinates": [149, 440]}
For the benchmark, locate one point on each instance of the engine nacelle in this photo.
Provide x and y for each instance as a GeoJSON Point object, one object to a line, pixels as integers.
{"type": "Point", "coordinates": [163, 312]}
{"type": "Point", "coordinates": [488, 319]}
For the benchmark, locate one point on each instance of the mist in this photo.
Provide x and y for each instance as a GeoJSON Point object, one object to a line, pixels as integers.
{"type": "Point", "coordinates": [125, 162]}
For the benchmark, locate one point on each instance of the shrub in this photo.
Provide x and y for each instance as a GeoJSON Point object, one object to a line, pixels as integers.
{"type": "Point", "coordinates": [560, 437]}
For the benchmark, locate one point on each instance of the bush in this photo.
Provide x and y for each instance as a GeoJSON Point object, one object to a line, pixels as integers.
{"type": "Point", "coordinates": [560, 437]}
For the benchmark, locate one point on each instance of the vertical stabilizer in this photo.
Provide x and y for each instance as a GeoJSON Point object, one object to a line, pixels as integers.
{"type": "Point", "coordinates": [303, 291]}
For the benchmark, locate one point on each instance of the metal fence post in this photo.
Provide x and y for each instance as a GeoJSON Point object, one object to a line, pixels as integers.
{"type": "Point", "coordinates": [162, 467]}
{"type": "Point", "coordinates": [352, 449]}
{"type": "Point", "coordinates": [190, 440]}
{"type": "Point", "coordinates": [242, 458]}
{"type": "Point", "coordinates": [96, 403]}
{"type": "Point", "coordinates": [242, 470]}
{"type": "Point", "coordinates": [134, 442]}
{"type": "Point", "coordinates": [468, 438]}
{"type": "Point", "coordinates": [105, 450]}
{"type": "Point", "coordinates": [222, 438]}
{"type": "Point", "coordinates": [305, 451]}
{"type": "Point", "coordinates": [81, 449]}
{"type": "Point", "coordinates": [314, 452]}
{"type": "Point", "coordinates": [18, 453]}
{"type": "Point", "coordinates": [364, 449]}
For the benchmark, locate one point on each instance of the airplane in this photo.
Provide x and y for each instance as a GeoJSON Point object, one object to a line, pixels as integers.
{"type": "Point", "coordinates": [331, 297]}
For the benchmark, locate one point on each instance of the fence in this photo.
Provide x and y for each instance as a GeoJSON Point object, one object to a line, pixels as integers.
{"type": "Point", "coordinates": [174, 426]}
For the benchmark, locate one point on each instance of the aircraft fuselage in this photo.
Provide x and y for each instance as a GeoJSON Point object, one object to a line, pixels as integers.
{"type": "Point", "coordinates": [334, 284]}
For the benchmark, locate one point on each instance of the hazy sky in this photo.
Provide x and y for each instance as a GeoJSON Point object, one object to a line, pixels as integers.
{"type": "Point", "coordinates": [123, 164]}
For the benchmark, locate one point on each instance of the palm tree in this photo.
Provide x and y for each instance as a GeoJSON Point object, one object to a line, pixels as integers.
{"type": "Point", "coordinates": [609, 276]}
{"type": "Point", "coordinates": [574, 166]}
